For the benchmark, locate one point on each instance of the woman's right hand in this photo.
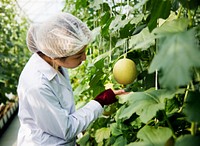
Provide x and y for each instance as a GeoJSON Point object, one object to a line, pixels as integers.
{"type": "Point", "coordinates": [108, 96]}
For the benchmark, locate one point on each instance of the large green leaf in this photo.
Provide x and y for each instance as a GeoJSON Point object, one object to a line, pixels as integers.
{"type": "Point", "coordinates": [151, 136]}
{"type": "Point", "coordinates": [143, 40]}
{"type": "Point", "coordinates": [188, 140]}
{"type": "Point", "coordinates": [178, 52]}
{"type": "Point", "coordinates": [145, 104]}
{"type": "Point", "coordinates": [192, 108]}
{"type": "Point", "coordinates": [177, 25]}
{"type": "Point", "coordinates": [101, 134]}
{"type": "Point", "coordinates": [139, 144]}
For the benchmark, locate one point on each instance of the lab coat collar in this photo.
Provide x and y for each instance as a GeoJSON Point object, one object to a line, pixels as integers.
{"type": "Point", "coordinates": [48, 71]}
{"type": "Point", "coordinates": [44, 67]}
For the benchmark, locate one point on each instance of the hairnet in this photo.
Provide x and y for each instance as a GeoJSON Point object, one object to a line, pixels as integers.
{"type": "Point", "coordinates": [59, 36]}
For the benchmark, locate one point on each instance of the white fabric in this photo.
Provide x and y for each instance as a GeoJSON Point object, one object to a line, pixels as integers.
{"type": "Point", "coordinates": [46, 107]}
{"type": "Point", "coordinates": [61, 35]}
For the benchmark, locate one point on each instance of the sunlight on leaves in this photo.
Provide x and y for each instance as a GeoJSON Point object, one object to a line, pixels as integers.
{"type": "Point", "coordinates": [143, 40]}
{"type": "Point", "coordinates": [101, 134]}
{"type": "Point", "coordinates": [115, 25]}
{"type": "Point", "coordinates": [178, 25]}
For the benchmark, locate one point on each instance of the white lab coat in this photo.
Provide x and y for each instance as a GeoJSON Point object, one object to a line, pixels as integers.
{"type": "Point", "coordinates": [46, 107]}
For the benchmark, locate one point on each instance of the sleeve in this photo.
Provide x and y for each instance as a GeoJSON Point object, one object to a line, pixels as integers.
{"type": "Point", "coordinates": [53, 119]}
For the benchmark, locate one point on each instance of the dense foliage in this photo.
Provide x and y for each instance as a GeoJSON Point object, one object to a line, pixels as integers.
{"type": "Point", "coordinates": [13, 51]}
{"type": "Point", "coordinates": [162, 38]}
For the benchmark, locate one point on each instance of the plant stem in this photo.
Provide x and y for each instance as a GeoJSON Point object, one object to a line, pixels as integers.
{"type": "Point", "coordinates": [169, 124]}
{"type": "Point", "coordinates": [190, 18]}
{"type": "Point", "coordinates": [156, 80]}
{"type": "Point", "coordinates": [125, 54]}
{"type": "Point", "coordinates": [193, 128]}
{"type": "Point", "coordinates": [185, 97]}
{"type": "Point", "coordinates": [186, 93]}
{"type": "Point", "coordinates": [179, 12]}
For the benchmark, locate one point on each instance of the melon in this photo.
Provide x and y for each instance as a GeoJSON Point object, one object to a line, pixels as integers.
{"type": "Point", "coordinates": [124, 71]}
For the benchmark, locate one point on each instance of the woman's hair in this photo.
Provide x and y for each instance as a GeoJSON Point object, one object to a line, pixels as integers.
{"type": "Point", "coordinates": [60, 36]}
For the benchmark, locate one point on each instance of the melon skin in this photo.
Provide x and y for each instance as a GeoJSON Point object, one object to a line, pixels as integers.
{"type": "Point", "coordinates": [124, 71]}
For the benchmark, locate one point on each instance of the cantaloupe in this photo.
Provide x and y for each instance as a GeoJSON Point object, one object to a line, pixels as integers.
{"type": "Point", "coordinates": [124, 71]}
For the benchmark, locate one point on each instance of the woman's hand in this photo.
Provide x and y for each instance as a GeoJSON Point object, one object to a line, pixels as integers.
{"type": "Point", "coordinates": [109, 96]}
{"type": "Point", "coordinates": [119, 92]}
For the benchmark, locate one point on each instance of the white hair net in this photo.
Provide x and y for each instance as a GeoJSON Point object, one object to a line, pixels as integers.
{"type": "Point", "coordinates": [60, 36]}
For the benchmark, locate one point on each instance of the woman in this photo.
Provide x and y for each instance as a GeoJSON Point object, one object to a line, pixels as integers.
{"type": "Point", "coordinates": [46, 106]}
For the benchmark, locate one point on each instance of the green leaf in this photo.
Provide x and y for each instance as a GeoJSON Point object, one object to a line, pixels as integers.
{"type": "Point", "coordinates": [145, 104]}
{"type": "Point", "coordinates": [151, 136]}
{"type": "Point", "coordinates": [98, 88]}
{"type": "Point", "coordinates": [99, 64]}
{"type": "Point", "coordinates": [115, 130]}
{"type": "Point", "coordinates": [124, 98]}
{"type": "Point", "coordinates": [155, 136]}
{"type": "Point", "coordinates": [102, 56]}
{"type": "Point", "coordinates": [96, 78]}
{"type": "Point", "coordinates": [143, 40]}
{"type": "Point", "coordinates": [121, 42]}
{"type": "Point", "coordinates": [159, 9]}
{"type": "Point", "coordinates": [120, 141]}
{"type": "Point", "coordinates": [83, 140]}
{"type": "Point", "coordinates": [178, 52]}
{"type": "Point", "coordinates": [115, 25]}
{"type": "Point", "coordinates": [96, 4]}
{"type": "Point", "coordinates": [101, 134]}
{"type": "Point", "coordinates": [81, 4]}
{"type": "Point", "coordinates": [188, 140]}
{"type": "Point", "coordinates": [192, 108]}
{"type": "Point", "coordinates": [177, 25]}
{"type": "Point", "coordinates": [105, 17]}
{"type": "Point", "coordinates": [139, 144]}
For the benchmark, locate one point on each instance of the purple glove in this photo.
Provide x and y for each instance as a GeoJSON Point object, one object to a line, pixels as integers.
{"type": "Point", "coordinates": [106, 97]}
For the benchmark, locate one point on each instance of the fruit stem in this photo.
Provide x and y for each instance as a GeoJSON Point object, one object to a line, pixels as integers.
{"type": "Point", "coordinates": [125, 55]}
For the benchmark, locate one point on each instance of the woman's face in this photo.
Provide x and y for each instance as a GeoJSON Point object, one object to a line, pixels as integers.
{"type": "Point", "coordinates": [72, 61]}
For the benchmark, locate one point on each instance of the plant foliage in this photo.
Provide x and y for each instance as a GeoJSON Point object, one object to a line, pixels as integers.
{"type": "Point", "coordinates": [13, 51]}
{"type": "Point", "coordinates": [162, 38]}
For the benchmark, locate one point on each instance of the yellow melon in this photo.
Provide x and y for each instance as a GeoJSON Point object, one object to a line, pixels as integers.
{"type": "Point", "coordinates": [124, 71]}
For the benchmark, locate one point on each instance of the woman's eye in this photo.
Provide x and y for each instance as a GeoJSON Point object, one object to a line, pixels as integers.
{"type": "Point", "coordinates": [78, 57]}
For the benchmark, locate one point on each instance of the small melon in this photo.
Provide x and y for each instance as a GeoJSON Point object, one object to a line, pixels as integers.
{"type": "Point", "coordinates": [124, 71]}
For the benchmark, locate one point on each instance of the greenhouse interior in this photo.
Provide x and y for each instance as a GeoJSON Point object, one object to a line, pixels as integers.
{"type": "Point", "coordinates": [100, 73]}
